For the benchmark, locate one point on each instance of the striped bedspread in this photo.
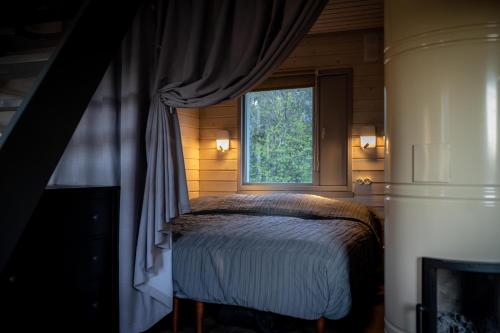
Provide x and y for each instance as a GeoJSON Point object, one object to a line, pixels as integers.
{"type": "Point", "coordinates": [298, 255]}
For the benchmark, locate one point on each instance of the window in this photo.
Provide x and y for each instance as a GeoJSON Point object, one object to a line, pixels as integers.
{"type": "Point", "coordinates": [296, 133]}
{"type": "Point", "coordinates": [279, 136]}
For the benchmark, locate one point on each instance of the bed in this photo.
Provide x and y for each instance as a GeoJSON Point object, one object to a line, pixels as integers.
{"type": "Point", "coordinates": [298, 255]}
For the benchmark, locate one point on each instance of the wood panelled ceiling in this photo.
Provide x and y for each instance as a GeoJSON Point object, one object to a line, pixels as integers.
{"type": "Point", "coordinates": [343, 15]}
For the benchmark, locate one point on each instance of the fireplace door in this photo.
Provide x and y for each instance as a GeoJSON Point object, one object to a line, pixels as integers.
{"type": "Point", "coordinates": [459, 297]}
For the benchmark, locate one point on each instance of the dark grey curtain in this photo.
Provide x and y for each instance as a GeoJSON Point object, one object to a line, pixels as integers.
{"type": "Point", "coordinates": [180, 53]}
{"type": "Point", "coordinates": [216, 50]}
{"type": "Point", "coordinates": [108, 148]}
{"type": "Point", "coordinates": [210, 51]}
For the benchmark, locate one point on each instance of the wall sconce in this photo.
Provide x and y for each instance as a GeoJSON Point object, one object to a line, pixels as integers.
{"type": "Point", "coordinates": [367, 137]}
{"type": "Point", "coordinates": [222, 140]}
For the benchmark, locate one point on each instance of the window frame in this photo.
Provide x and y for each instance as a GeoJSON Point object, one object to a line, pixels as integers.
{"type": "Point", "coordinates": [276, 84]}
{"type": "Point", "coordinates": [244, 146]}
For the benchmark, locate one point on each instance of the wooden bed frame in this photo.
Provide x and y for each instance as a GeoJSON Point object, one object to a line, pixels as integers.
{"type": "Point", "coordinates": [200, 313]}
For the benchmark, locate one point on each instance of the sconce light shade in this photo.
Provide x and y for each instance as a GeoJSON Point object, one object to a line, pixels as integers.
{"type": "Point", "coordinates": [222, 140]}
{"type": "Point", "coordinates": [367, 137]}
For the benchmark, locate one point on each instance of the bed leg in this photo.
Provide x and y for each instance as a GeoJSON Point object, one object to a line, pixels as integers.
{"type": "Point", "coordinates": [320, 325]}
{"type": "Point", "coordinates": [175, 315]}
{"type": "Point", "coordinates": [200, 309]}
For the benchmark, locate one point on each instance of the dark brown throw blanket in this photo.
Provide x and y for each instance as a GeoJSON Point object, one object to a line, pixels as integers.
{"type": "Point", "coordinates": [297, 205]}
{"type": "Point", "coordinates": [305, 206]}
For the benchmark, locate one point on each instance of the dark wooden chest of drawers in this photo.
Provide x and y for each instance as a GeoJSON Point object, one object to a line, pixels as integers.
{"type": "Point", "coordinates": [63, 274]}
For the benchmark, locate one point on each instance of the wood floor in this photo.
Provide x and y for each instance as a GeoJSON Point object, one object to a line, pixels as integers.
{"type": "Point", "coordinates": [235, 320]}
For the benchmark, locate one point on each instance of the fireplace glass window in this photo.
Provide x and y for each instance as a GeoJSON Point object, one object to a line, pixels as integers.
{"type": "Point", "coordinates": [460, 297]}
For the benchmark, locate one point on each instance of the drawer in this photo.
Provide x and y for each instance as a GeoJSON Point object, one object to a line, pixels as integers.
{"type": "Point", "coordinates": [79, 224]}
{"type": "Point", "coordinates": [92, 264]}
{"type": "Point", "coordinates": [96, 220]}
{"type": "Point", "coordinates": [88, 217]}
{"type": "Point", "coordinates": [92, 310]}
{"type": "Point", "coordinates": [97, 313]}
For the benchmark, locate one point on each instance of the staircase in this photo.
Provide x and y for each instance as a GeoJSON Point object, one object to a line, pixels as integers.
{"type": "Point", "coordinates": [53, 54]}
{"type": "Point", "coordinates": [26, 49]}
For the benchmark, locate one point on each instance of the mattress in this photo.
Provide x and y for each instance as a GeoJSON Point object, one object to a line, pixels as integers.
{"type": "Point", "coordinates": [303, 256]}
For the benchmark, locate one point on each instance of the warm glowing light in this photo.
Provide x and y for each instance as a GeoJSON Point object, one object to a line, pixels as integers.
{"type": "Point", "coordinates": [222, 144]}
{"type": "Point", "coordinates": [367, 137]}
{"type": "Point", "coordinates": [222, 141]}
{"type": "Point", "coordinates": [368, 141]}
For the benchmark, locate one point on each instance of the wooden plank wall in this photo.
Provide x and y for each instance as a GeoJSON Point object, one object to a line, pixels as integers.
{"type": "Point", "coordinates": [189, 121]}
{"type": "Point", "coordinates": [343, 15]}
{"type": "Point", "coordinates": [218, 172]}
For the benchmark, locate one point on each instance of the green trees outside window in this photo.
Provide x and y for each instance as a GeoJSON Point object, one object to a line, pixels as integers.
{"type": "Point", "coordinates": [279, 136]}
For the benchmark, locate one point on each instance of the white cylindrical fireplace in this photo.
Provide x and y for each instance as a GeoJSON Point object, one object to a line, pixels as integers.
{"type": "Point", "coordinates": [442, 80]}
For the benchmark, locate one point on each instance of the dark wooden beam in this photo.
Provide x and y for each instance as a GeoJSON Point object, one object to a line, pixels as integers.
{"type": "Point", "coordinates": [45, 123]}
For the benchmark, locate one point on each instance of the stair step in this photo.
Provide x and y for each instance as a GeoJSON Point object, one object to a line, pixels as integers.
{"type": "Point", "coordinates": [7, 109]}
{"type": "Point", "coordinates": [5, 118]}
{"type": "Point", "coordinates": [34, 12]}
{"type": "Point", "coordinates": [40, 52]}
{"type": "Point", "coordinates": [16, 88]}
{"type": "Point", "coordinates": [25, 58]}
{"type": "Point", "coordinates": [22, 65]}
{"type": "Point", "coordinates": [10, 104]}
{"type": "Point", "coordinates": [25, 40]}
{"type": "Point", "coordinates": [24, 44]}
